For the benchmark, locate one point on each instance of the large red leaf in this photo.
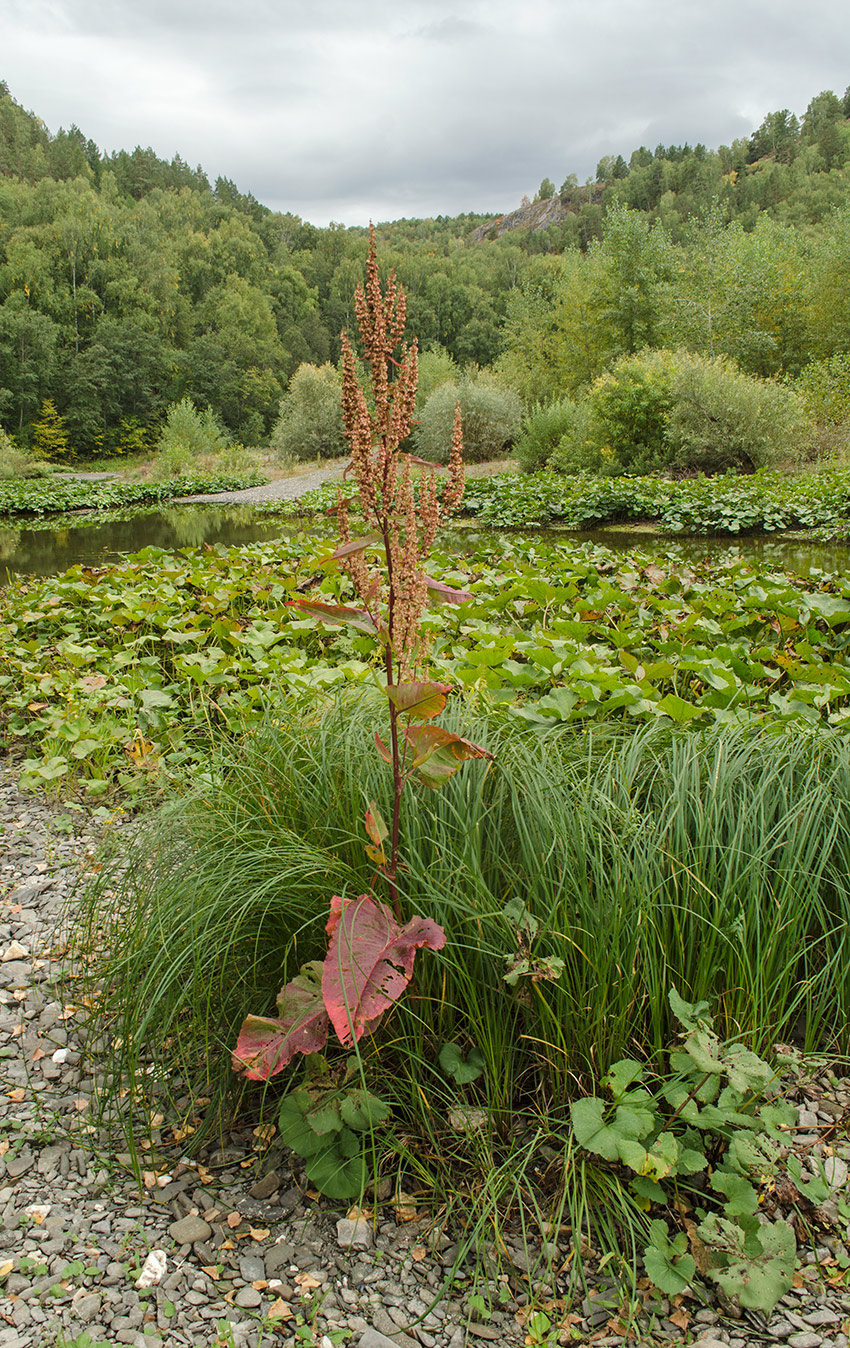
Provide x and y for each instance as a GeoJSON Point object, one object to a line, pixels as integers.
{"type": "Point", "coordinates": [336, 613]}
{"type": "Point", "coordinates": [438, 590]}
{"type": "Point", "coordinates": [420, 700]}
{"type": "Point", "coordinates": [439, 753]}
{"type": "Point", "coordinates": [369, 962]}
{"type": "Point", "coordinates": [266, 1044]}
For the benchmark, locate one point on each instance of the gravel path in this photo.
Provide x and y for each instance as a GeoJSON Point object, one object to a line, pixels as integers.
{"type": "Point", "coordinates": [284, 489]}
{"type": "Point", "coordinates": [240, 1255]}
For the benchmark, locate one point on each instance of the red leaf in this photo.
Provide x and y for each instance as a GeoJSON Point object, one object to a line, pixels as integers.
{"type": "Point", "coordinates": [439, 753]}
{"type": "Point", "coordinates": [420, 700]}
{"type": "Point", "coordinates": [446, 593]}
{"type": "Point", "coordinates": [266, 1044]}
{"type": "Point", "coordinates": [335, 613]}
{"type": "Point", "coordinates": [382, 749]}
{"type": "Point", "coordinates": [346, 549]}
{"type": "Point", "coordinates": [369, 962]}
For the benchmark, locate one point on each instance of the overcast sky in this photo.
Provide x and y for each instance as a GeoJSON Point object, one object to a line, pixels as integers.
{"type": "Point", "coordinates": [350, 109]}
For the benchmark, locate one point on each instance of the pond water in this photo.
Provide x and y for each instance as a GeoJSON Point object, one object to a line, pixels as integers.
{"type": "Point", "coordinates": [44, 550]}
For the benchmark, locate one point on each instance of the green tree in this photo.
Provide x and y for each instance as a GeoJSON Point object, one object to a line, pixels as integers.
{"type": "Point", "coordinates": [50, 434]}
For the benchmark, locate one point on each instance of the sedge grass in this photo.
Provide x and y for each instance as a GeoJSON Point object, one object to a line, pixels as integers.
{"type": "Point", "coordinates": [714, 861]}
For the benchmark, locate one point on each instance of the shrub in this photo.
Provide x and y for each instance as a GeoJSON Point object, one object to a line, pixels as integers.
{"type": "Point", "coordinates": [188, 435]}
{"type": "Point", "coordinates": [721, 418]}
{"type": "Point", "coordinates": [310, 422]}
{"type": "Point", "coordinates": [16, 462]}
{"type": "Point", "coordinates": [679, 412]}
{"type": "Point", "coordinates": [542, 430]}
{"type": "Point", "coordinates": [629, 408]}
{"type": "Point", "coordinates": [491, 414]}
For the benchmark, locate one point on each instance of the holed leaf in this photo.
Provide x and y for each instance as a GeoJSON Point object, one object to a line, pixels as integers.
{"type": "Point", "coordinates": [369, 962]}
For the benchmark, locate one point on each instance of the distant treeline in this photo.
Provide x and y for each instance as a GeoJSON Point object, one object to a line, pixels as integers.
{"type": "Point", "coordinates": [128, 282]}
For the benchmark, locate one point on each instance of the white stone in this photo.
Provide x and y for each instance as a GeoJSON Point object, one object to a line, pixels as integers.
{"type": "Point", "coordinates": [153, 1270]}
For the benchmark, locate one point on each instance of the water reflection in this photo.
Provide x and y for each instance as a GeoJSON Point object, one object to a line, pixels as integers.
{"type": "Point", "coordinates": [44, 551]}
{"type": "Point", "coordinates": [97, 540]}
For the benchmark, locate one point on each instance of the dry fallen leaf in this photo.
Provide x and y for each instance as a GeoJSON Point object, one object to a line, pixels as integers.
{"type": "Point", "coordinates": [17, 1094]}
{"type": "Point", "coordinates": [264, 1133]}
{"type": "Point", "coordinates": [259, 1233]}
{"type": "Point", "coordinates": [306, 1282]}
{"type": "Point", "coordinates": [418, 1253]}
{"type": "Point", "coordinates": [38, 1054]}
{"type": "Point", "coordinates": [4, 1145]}
{"type": "Point", "coordinates": [211, 1270]}
{"type": "Point", "coordinates": [680, 1318]}
{"type": "Point", "coordinates": [149, 1179]}
{"type": "Point", "coordinates": [233, 1219]}
{"type": "Point", "coordinates": [279, 1310]}
{"type": "Point", "coordinates": [6, 1269]}
{"type": "Point", "coordinates": [260, 1285]}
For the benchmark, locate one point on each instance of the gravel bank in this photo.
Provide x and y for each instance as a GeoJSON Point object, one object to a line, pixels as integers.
{"type": "Point", "coordinates": [285, 489]}
{"type": "Point", "coordinates": [239, 1255]}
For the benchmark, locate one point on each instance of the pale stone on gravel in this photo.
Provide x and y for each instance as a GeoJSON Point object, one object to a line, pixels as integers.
{"type": "Point", "coordinates": [354, 1234]}
{"type": "Point", "coordinates": [835, 1172]}
{"type": "Point", "coordinates": [188, 1230]}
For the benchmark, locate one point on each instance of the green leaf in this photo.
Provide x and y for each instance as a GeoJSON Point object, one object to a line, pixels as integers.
{"type": "Point", "coordinates": [294, 1127]}
{"type": "Point", "coordinates": [667, 1262]}
{"type": "Point", "coordinates": [463, 1070]}
{"type": "Point", "coordinates": [679, 710]}
{"type": "Point", "coordinates": [362, 1110]}
{"type": "Point", "coordinates": [590, 1129]}
{"type": "Point", "coordinates": [339, 1170]}
{"type": "Point", "coordinates": [741, 1198]}
{"type": "Point", "coordinates": [689, 1014]}
{"type": "Point", "coordinates": [621, 1075]}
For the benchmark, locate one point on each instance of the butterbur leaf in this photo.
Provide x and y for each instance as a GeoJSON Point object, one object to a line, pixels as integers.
{"type": "Point", "coordinates": [265, 1044]}
{"type": "Point", "coordinates": [349, 549]}
{"type": "Point", "coordinates": [419, 700]}
{"type": "Point", "coordinates": [437, 590]}
{"type": "Point", "coordinates": [369, 962]}
{"type": "Point", "coordinates": [335, 613]}
{"type": "Point", "coordinates": [439, 753]}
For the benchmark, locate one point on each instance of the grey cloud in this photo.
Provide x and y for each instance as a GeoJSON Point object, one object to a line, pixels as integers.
{"type": "Point", "coordinates": [340, 111]}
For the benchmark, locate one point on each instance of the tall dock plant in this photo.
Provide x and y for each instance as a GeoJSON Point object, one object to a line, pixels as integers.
{"type": "Point", "coordinates": [370, 956]}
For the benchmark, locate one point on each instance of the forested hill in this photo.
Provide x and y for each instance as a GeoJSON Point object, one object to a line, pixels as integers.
{"type": "Point", "coordinates": [127, 281]}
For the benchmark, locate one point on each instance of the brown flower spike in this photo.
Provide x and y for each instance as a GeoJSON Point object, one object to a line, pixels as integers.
{"type": "Point", "coordinates": [396, 598]}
